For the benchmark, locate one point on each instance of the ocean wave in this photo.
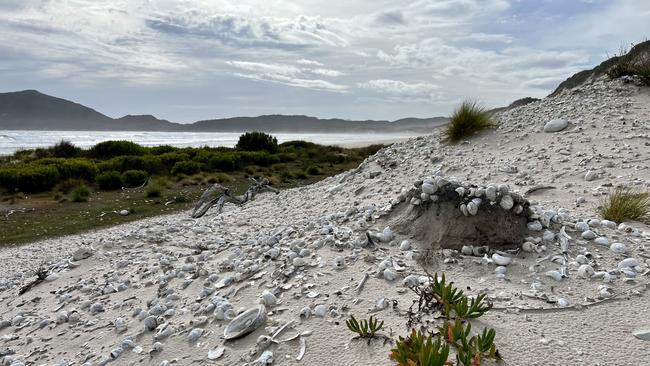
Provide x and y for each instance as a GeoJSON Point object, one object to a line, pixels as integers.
{"type": "Point", "coordinates": [7, 138]}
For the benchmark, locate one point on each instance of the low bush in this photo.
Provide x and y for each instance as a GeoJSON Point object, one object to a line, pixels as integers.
{"type": "Point", "coordinates": [109, 181]}
{"type": "Point", "coordinates": [162, 149]}
{"type": "Point", "coordinates": [110, 149]}
{"type": "Point", "coordinates": [72, 168]}
{"type": "Point", "coordinates": [255, 141]}
{"type": "Point", "coordinates": [226, 162]}
{"type": "Point", "coordinates": [65, 149]}
{"type": "Point", "coordinates": [68, 185]}
{"type": "Point", "coordinates": [468, 119]}
{"type": "Point", "coordinates": [626, 204]}
{"type": "Point", "coordinates": [29, 178]}
{"type": "Point", "coordinates": [171, 158]}
{"type": "Point", "coordinates": [636, 62]}
{"type": "Point", "coordinates": [153, 191]}
{"type": "Point", "coordinates": [134, 178]}
{"type": "Point", "coordinates": [186, 167]}
{"type": "Point", "coordinates": [80, 194]}
{"type": "Point", "coordinates": [313, 170]}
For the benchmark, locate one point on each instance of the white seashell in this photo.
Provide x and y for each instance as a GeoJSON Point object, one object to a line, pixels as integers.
{"type": "Point", "coordinates": [467, 250]}
{"type": "Point", "coordinates": [501, 270]}
{"type": "Point", "coordinates": [381, 304]}
{"type": "Point", "coordinates": [405, 245]}
{"type": "Point", "coordinates": [582, 226]}
{"type": "Point", "coordinates": [535, 226]}
{"type": "Point", "coordinates": [562, 302]}
{"type": "Point", "coordinates": [548, 235]}
{"type": "Point", "coordinates": [501, 260]}
{"type": "Point", "coordinates": [585, 271]}
{"type": "Point", "coordinates": [120, 325]}
{"type": "Point", "coordinates": [628, 263]}
{"type": "Point", "coordinates": [601, 241]}
{"type": "Point", "coordinates": [194, 335]}
{"type": "Point", "coordinates": [518, 209]}
{"type": "Point", "coordinates": [411, 281]}
{"type": "Point", "coordinates": [618, 248]}
{"type": "Point", "coordinates": [528, 247]}
{"type": "Point", "coordinates": [245, 322]}
{"type": "Point", "coordinates": [265, 359]}
{"type": "Point", "coordinates": [389, 274]}
{"type": "Point", "coordinates": [463, 209]}
{"type": "Point", "coordinates": [588, 235]}
{"type": "Point", "coordinates": [460, 191]}
{"type": "Point", "coordinates": [215, 354]}
{"type": "Point", "coordinates": [320, 310]}
{"type": "Point", "coordinates": [582, 259]}
{"type": "Point", "coordinates": [429, 188]}
{"type": "Point", "coordinates": [472, 208]}
{"type": "Point", "coordinates": [609, 224]}
{"type": "Point", "coordinates": [491, 193]}
{"type": "Point", "coordinates": [305, 312]}
{"type": "Point", "coordinates": [81, 253]}
{"type": "Point", "coordinates": [556, 275]}
{"type": "Point", "coordinates": [338, 262]}
{"type": "Point", "coordinates": [268, 298]}
{"type": "Point", "coordinates": [507, 202]}
{"type": "Point", "coordinates": [387, 235]}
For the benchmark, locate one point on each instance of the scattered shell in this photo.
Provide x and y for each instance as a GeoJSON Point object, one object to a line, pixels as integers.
{"type": "Point", "coordinates": [265, 359]}
{"type": "Point", "coordinates": [268, 298]}
{"type": "Point", "coordinates": [194, 335]}
{"type": "Point", "coordinates": [628, 263]}
{"type": "Point", "coordinates": [320, 310]}
{"type": "Point", "coordinates": [389, 274]}
{"type": "Point", "coordinates": [618, 248]}
{"type": "Point", "coordinates": [501, 260]}
{"type": "Point", "coordinates": [245, 322]}
{"type": "Point", "coordinates": [556, 275]}
{"type": "Point", "coordinates": [215, 354]}
{"type": "Point", "coordinates": [507, 202]}
{"type": "Point", "coordinates": [585, 271]}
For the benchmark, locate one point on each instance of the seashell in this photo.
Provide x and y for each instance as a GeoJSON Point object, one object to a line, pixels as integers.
{"type": "Point", "coordinates": [608, 223]}
{"type": "Point", "coordinates": [429, 188]}
{"type": "Point", "coordinates": [194, 335]}
{"type": "Point", "coordinates": [215, 354]}
{"type": "Point", "coordinates": [628, 263]}
{"type": "Point", "coordinates": [528, 247]}
{"type": "Point", "coordinates": [387, 235]}
{"type": "Point", "coordinates": [501, 270]}
{"type": "Point", "coordinates": [479, 251]}
{"type": "Point", "coordinates": [562, 302]}
{"type": "Point", "coordinates": [548, 235]}
{"type": "Point", "coordinates": [582, 226]}
{"type": "Point", "coordinates": [265, 359]}
{"type": "Point", "coordinates": [320, 310]}
{"type": "Point", "coordinates": [389, 274]}
{"type": "Point", "coordinates": [381, 304]}
{"type": "Point", "coordinates": [556, 275]}
{"type": "Point", "coordinates": [501, 260]}
{"type": "Point", "coordinates": [405, 245]}
{"type": "Point", "coordinates": [535, 226]}
{"type": "Point", "coordinates": [507, 202]}
{"type": "Point", "coordinates": [268, 298]}
{"type": "Point", "coordinates": [588, 235]}
{"type": "Point", "coordinates": [245, 322]}
{"type": "Point", "coordinates": [226, 281]}
{"type": "Point", "coordinates": [305, 312]}
{"type": "Point", "coordinates": [601, 240]}
{"type": "Point", "coordinates": [338, 263]}
{"type": "Point", "coordinates": [460, 191]}
{"type": "Point", "coordinates": [472, 208]}
{"type": "Point", "coordinates": [463, 209]}
{"type": "Point", "coordinates": [411, 281]}
{"type": "Point", "coordinates": [618, 248]}
{"type": "Point", "coordinates": [491, 193]}
{"type": "Point", "coordinates": [518, 209]}
{"type": "Point", "coordinates": [120, 325]}
{"type": "Point", "coordinates": [585, 271]}
{"type": "Point", "coordinates": [467, 250]}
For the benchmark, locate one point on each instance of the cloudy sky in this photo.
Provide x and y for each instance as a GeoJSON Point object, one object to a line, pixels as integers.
{"type": "Point", "coordinates": [187, 60]}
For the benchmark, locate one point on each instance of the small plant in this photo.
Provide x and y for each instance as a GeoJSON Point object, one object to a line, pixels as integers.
{"type": "Point", "coordinates": [471, 309]}
{"type": "Point", "coordinates": [134, 178]}
{"type": "Point", "coordinates": [419, 349]}
{"type": "Point", "coordinates": [365, 328]}
{"type": "Point", "coordinates": [153, 191]}
{"type": "Point", "coordinates": [80, 194]}
{"type": "Point", "coordinates": [466, 120]}
{"type": "Point", "coordinates": [470, 350]}
{"type": "Point", "coordinates": [313, 170]}
{"type": "Point", "coordinates": [626, 204]}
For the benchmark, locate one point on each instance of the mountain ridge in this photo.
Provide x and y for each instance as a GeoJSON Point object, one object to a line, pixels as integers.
{"type": "Point", "coordinates": [33, 110]}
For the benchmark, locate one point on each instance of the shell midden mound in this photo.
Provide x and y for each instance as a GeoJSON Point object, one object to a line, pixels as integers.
{"type": "Point", "coordinates": [448, 214]}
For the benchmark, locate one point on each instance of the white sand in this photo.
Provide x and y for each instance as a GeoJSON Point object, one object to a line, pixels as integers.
{"type": "Point", "coordinates": [609, 133]}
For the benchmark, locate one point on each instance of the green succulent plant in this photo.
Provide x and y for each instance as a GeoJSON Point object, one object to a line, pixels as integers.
{"type": "Point", "coordinates": [365, 328]}
{"type": "Point", "coordinates": [419, 349]}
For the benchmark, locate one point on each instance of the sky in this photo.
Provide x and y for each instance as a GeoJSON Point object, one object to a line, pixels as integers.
{"type": "Point", "coordinates": [189, 60]}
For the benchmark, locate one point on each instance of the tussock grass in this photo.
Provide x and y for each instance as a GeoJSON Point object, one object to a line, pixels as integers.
{"type": "Point", "coordinates": [626, 204]}
{"type": "Point", "coordinates": [468, 119]}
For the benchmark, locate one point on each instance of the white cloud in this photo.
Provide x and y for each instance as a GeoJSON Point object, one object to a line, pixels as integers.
{"type": "Point", "coordinates": [402, 90]}
{"type": "Point", "coordinates": [288, 75]}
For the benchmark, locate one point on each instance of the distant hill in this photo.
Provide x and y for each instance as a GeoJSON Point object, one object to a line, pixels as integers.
{"type": "Point", "coordinates": [32, 110]}
{"type": "Point", "coordinates": [639, 51]}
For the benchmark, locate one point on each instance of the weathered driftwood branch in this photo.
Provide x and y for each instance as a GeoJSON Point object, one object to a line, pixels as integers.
{"type": "Point", "coordinates": [41, 274]}
{"type": "Point", "coordinates": [220, 195]}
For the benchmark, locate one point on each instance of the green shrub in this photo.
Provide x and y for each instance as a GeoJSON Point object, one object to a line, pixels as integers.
{"type": "Point", "coordinates": [286, 157]}
{"type": "Point", "coordinates": [134, 178]}
{"type": "Point", "coordinates": [420, 349]}
{"type": "Point", "coordinates": [261, 158]}
{"type": "Point", "coordinates": [80, 194]}
{"type": "Point", "coordinates": [226, 162]}
{"type": "Point", "coordinates": [110, 149]}
{"type": "Point", "coordinates": [72, 168]}
{"type": "Point", "coordinates": [313, 170]}
{"type": "Point", "coordinates": [466, 120]}
{"type": "Point", "coordinates": [171, 158]}
{"type": "Point", "coordinates": [29, 178]}
{"type": "Point", "coordinates": [68, 185]}
{"type": "Point", "coordinates": [298, 144]}
{"type": "Point", "coordinates": [635, 62]}
{"type": "Point", "coordinates": [109, 181]}
{"type": "Point", "coordinates": [626, 204]}
{"type": "Point", "coordinates": [153, 191]}
{"type": "Point", "coordinates": [203, 156]}
{"type": "Point", "coordinates": [162, 149]}
{"type": "Point", "coordinates": [255, 141]}
{"type": "Point", "coordinates": [186, 167]}
{"type": "Point", "coordinates": [65, 149]}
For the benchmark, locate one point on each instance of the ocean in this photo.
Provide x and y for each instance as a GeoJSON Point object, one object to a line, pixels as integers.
{"type": "Point", "coordinates": [12, 141]}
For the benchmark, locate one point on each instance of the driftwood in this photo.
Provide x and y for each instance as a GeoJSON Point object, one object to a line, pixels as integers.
{"type": "Point", "coordinates": [41, 274]}
{"type": "Point", "coordinates": [220, 195]}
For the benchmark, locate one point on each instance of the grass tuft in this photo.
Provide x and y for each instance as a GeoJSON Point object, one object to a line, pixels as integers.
{"type": "Point", "coordinates": [468, 119]}
{"type": "Point", "coordinates": [80, 194]}
{"type": "Point", "coordinates": [626, 204]}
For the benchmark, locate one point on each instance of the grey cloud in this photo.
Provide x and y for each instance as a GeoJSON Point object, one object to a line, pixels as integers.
{"type": "Point", "coordinates": [391, 17]}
